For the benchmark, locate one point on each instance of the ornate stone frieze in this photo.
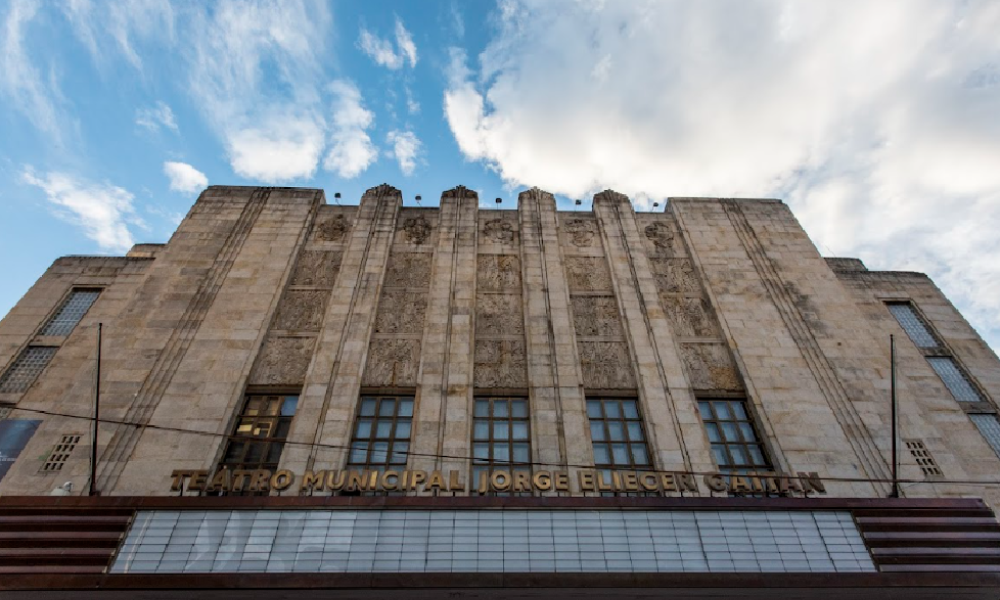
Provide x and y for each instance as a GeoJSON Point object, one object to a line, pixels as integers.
{"type": "Point", "coordinates": [283, 361]}
{"type": "Point", "coordinates": [499, 231]}
{"type": "Point", "coordinates": [499, 314]}
{"type": "Point", "coordinates": [690, 316]}
{"type": "Point", "coordinates": [332, 229]}
{"type": "Point", "coordinates": [498, 272]}
{"type": "Point", "coordinates": [382, 191]}
{"type": "Point", "coordinates": [316, 268]}
{"type": "Point", "coordinates": [661, 234]}
{"type": "Point", "coordinates": [606, 365]}
{"type": "Point", "coordinates": [587, 274]}
{"type": "Point", "coordinates": [417, 229]}
{"type": "Point", "coordinates": [675, 276]}
{"type": "Point", "coordinates": [301, 310]}
{"type": "Point", "coordinates": [401, 311]}
{"type": "Point", "coordinates": [596, 316]}
{"type": "Point", "coordinates": [710, 367]}
{"type": "Point", "coordinates": [500, 364]}
{"type": "Point", "coordinates": [408, 269]}
{"type": "Point", "coordinates": [392, 362]}
{"type": "Point", "coordinates": [580, 231]}
{"type": "Point", "coordinates": [460, 192]}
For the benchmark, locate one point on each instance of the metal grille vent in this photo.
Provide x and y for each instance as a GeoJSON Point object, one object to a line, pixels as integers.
{"type": "Point", "coordinates": [923, 457]}
{"type": "Point", "coordinates": [5, 412]}
{"type": "Point", "coordinates": [60, 453]}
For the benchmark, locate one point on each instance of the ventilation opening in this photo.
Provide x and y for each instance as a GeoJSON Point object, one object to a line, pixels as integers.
{"type": "Point", "coordinates": [60, 453]}
{"type": "Point", "coordinates": [923, 457]}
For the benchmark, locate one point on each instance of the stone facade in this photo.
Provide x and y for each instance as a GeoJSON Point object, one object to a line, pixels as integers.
{"type": "Point", "coordinates": [273, 290]}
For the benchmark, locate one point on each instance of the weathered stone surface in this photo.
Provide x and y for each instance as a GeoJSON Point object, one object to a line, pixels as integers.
{"type": "Point", "coordinates": [332, 229]}
{"type": "Point", "coordinates": [606, 365]}
{"type": "Point", "coordinates": [317, 268]}
{"type": "Point", "coordinates": [301, 310]}
{"type": "Point", "coordinates": [498, 273]}
{"type": "Point", "coordinates": [408, 269]}
{"type": "Point", "coordinates": [283, 361]}
{"type": "Point", "coordinates": [392, 363]}
{"type": "Point", "coordinates": [401, 311]}
{"type": "Point", "coordinates": [500, 364]}
{"type": "Point", "coordinates": [499, 314]}
{"type": "Point", "coordinates": [675, 276]}
{"type": "Point", "coordinates": [587, 274]}
{"type": "Point", "coordinates": [689, 316]}
{"type": "Point", "coordinates": [710, 367]}
{"type": "Point", "coordinates": [596, 316]}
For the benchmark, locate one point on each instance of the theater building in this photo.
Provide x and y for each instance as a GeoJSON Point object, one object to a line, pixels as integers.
{"type": "Point", "coordinates": [402, 400]}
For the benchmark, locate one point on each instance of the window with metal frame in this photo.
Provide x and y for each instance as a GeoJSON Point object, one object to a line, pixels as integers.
{"type": "Point", "coordinates": [989, 426]}
{"type": "Point", "coordinates": [260, 432]}
{"type": "Point", "coordinates": [913, 324]}
{"type": "Point", "coordinates": [619, 438]}
{"type": "Point", "coordinates": [501, 435]}
{"type": "Point", "coordinates": [28, 365]}
{"type": "Point", "coordinates": [69, 314]}
{"type": "Point", "coordinates": [381, 439]}
{"type": "Point", "coordinates": [735, 444]}
{"type": "Point", "coordinates": [954, 379]}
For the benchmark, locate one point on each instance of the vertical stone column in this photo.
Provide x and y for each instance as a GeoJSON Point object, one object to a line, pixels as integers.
{"type": "Point", "coordinates": [442, 425]}
{"type": "Point", "coordinates": [333, 380]}
{"type": "Point", "coordinates": [560, 430]}
{"type": "Point", "coordinates": [669, 407]}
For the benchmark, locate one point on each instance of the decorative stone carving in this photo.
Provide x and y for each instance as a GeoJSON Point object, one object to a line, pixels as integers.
{"type": "Point", "coordinates": [332, 229]}
{"type": "Point", "coordinates": [587, 274]}
{"type": "Point", "coordinates": [392, 362]}
{"type": "Point", "coordinates": [316, 268]}
{"type": "Point", "coordinates": [460, 192]}
{"type": "Point", "coordinates": [498, 272]}
{"type": "Point", "coordinates": [498, 314]}
{"type": "Point", "coordinates": [690, 316]}
{"type": "Point", "coordinates": [499, 230]}
{"type": "Point", "coordinates": [675, 276]}
{"type": "Point", "coordinates": [401, 311]}
{"type": "Point", "coordinates": [283, 361]}
{"type": "Point", "coordinates": [500, 364]}
{"type": "Point", "coordinates": [581, 231]}
{"type": "Point", "coordinates": [408, 269]}
{"type": "Point", "coordinates": [710, 367]}
{"type": "Point", "coordinates": [383, 190]}
{"type": "Point", "coordinates": [596, 316]}
{"type": "Point", "coordinates": [301, 310]}
{"type": "Point", "coordinates": [606, 365]}
{"type": "Point", "coordinates": [417, 229]}
{"type": "Point", "coordinates": [662, 236]}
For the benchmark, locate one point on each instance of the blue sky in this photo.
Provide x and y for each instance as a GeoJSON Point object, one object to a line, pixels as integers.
{"type": "Point", "coordinates": [878, 123]}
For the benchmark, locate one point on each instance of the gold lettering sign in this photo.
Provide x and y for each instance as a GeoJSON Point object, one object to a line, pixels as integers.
{"type": "Point", "coordinates": [499, 480]}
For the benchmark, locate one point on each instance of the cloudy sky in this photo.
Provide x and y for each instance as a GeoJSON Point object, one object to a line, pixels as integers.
{"type": "Point", "coordinates": [878, 122]}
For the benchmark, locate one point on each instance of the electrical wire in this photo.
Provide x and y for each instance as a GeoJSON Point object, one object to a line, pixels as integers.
{"type": "Point", "coordinates": [513, 464]}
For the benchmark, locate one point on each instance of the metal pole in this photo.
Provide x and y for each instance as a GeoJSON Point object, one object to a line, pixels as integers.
{"type": "Point", "coordinates": [97, 405]}
{"type": "Point", "coordinates": [892, 391]}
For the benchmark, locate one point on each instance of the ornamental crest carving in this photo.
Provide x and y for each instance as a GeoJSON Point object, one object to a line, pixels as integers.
{"type": "Point", "coordinates": [662, 237]}
{"type": "Point", "coordinates": [499, 231]}
{"type": "Point", "coordinates": [417, 230]}
{"type": "Point", "coordinates": [581, 232]}
{"type": "Point", "coordinates": [332, 230]}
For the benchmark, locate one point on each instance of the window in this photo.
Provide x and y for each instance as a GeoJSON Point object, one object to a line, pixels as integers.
{"type": "Point", "coordinates": [501, 436]}
{"type": "Point", "coordinates": [954, 379]}
{"type": "Point", "coordinates": [735, 444]}
{"type": "Point", "coordinates": [923, 457]}
{"type": "Point", "coordinates": [70, 313]}
{"type": "Point", "coordinates": [989, 427]}
{"type": "Point", "coordinates": [60, 453]}
{"type": "Point", "coordinates": [913, 325]}
{"type": "Point", "coordinates": [5, 412]}
{"type": "Point", "coordinates": [260, 432]}
{"type": "Point", "coordinates": [381, 433]}
{"type": "Point", "coordinates": [616, 430]}
{"type": "Point", "coordinates": [26, 368]}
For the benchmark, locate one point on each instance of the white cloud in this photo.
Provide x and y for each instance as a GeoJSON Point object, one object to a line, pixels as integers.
{"type": "Point", "coordinates": [104, 211]}
{"type": "Point", "coordinates": [152, 118]}
{"type": "Point", "coordinates": [382, 51]}
{"type": "Point", "coordinates": [351, 149]}
{"type": "Point", "coordinates": [412, 106]}
{"type": "Point", "coordinates": [184, 177]}
{"type": "Point", "coordinates": [113, 28]}
{"type": "Point", "coordinates": [876, 122]}
{"type": "Point", "coordinates": [405, 149]}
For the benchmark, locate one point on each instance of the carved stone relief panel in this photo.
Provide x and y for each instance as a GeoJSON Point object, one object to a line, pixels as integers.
{"type": "Point", "coordinates": [498, 273]}
{"type": "Point", "coordinates": [606, 365]}
{"type": "Point", "coordinates": [675, 276]}
{"type": "Point", "coordinates": [500, 364]}
{"type": "Point", "coordinates": [283, 361]}
{"type": "Point", "coordinates": [690, 316]}
{"type": "Point", "coordinates": [417, 229]}
{"type": "Point", "coordinates": [498, 314]}
{"type": "Point", "coordinates": [710, 367]}
{"type": "Point", "coordinates": [663, 239]}
{"type": "Point", "coordinates": [401, 311]}
{"type": "Point", "coordinates": [392, 362]}
{"type": "Point", "coordinates": [579, 232]}
{"type": "Point", "coordinates": [596, 316]}
{"type": "Point", "coordinates": [316, 268]}
{"type": "Point", "coordinates": [499, 231]}
{"type": "Point", "coordinates": [301, 310]}
{"type": "Point", "coordinates": [587, 274]}
{"type": "Point", "coordinates": [408, 269]}
{"type": "Point", "coordinates": [332, 229]}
